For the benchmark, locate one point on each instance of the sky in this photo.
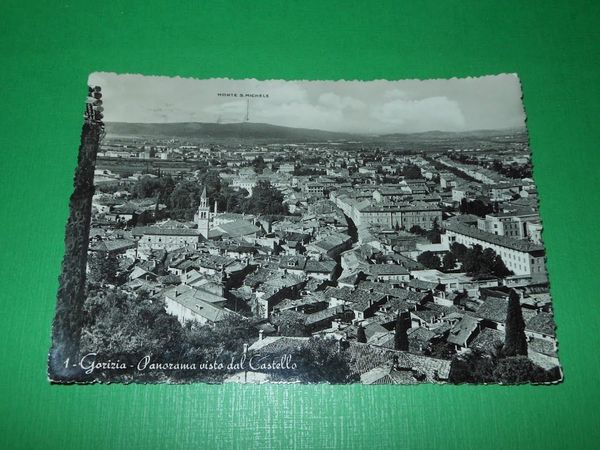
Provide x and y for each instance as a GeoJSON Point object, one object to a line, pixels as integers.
{"type": "Point", "coordinates": [370, 107]}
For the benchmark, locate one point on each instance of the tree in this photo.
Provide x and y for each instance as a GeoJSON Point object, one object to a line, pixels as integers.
{"type": "Point", "coordinates": [429, 260]}
{"type": "Point", "coordinates": [146, 217]}
{"type": "Point", "coordinates": [449, 261]}
{"type": "Point", "coordinates": [416, 229]}
{"type": "Point", "coordinates": [290, 323]}
{"type": "Point", "coordinates": [440, 349]}
{"type": "Point", "coordinates": [477, 260]}
{"type": "Point", "coordinates": [321, 360]}
{"type": "Point", "coordinates": [471, 367]}
{"type": "Point", "coordinates": [259, 164]}
{"type": "Point", "coordinates": [184, 199]}
{"type": "Point", "coordinates": [411, 172]}
{"type": "Point", "coordinates": [212, 181]}
{"type": "Point", "coordinates": [515, 341]}
{"type": "Point", "coordinates": [103, 268]}
{"type": "Point", "coordinates": [148, 187]}
{"type": "Point", "coordinates": [476, 207]}
{"type": "Point", "coordinates": [400, 334]}
{"type": "Point", "coordinates": [519, 369]}
{"type": "Point", "coordinates": [361, 336]}
{"type": "Point", "coordinates": [119, 323]}
{"type": "Point", "coordinates": [499, 268]}
{"type": "Point", "coordinates": [265, 200]}
{"type": "Point", "coordinates": [458, 250]}
{"type": "Point", "coordinates": [486, 261]}
{"type": "Point", "coordinates": [434, 235]}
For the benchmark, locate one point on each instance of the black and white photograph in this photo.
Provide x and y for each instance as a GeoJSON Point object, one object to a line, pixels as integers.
{"type": "Point", "coordinates": [248, 231]}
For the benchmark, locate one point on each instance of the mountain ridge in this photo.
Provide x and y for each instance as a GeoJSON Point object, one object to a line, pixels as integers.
{"type": "Point", "coordinates": [264, 131]}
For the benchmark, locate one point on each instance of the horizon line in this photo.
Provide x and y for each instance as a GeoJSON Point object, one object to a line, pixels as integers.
{"type": "Point", "coordinates": [523, 127]}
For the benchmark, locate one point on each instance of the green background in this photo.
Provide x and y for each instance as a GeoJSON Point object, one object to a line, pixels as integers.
{"type": "Point", "coordinates": [48, 48]}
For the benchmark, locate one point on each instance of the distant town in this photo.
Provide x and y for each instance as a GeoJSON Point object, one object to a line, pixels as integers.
{"type": "Point", "coordinates": [369, 260]}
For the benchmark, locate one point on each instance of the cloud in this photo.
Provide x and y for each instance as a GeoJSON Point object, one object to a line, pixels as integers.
{"type": "Point", "coordinates": [335, 101]}
{"type": "Point", "coordinates": [285, 92]}
{"type": "Point", "coordinates": [394, 94]}
{"type": "Point", "coordinates": [361, 107]}
{"type": "Point", "coordinates": [438, 113]}
{"type": "Point", "coordinates": [301, 115]}
{"type": "Point", "coordinates": [234, 111]}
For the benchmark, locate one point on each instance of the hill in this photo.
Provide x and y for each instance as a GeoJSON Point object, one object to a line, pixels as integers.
{"type": "Point", "coordinates": [223, 131]}
{"type": "Point", "coordinates": [262, 133]}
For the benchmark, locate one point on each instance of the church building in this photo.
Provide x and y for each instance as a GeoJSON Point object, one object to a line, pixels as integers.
{"type": "Point", "coordinates": [204, 217]}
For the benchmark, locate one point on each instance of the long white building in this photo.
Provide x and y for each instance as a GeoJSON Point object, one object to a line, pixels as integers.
{"type": "Point", "coordinates": [520, 256]}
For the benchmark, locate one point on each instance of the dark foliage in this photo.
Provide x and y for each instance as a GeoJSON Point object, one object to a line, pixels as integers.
{"type": "Point", "coordinates": [515, 341]}
{"type": "Point", "coordinates": [265, 200]}
{"type": "Point", "coordinates": [449, 261]}
{"type": "Point", "coordinates": [411, 172]}
{"type": "Point", "coordinates": [476, 207]}
{"type": "Point", "coordinates": [104, 268]}
{"type": "Point", "coordinates": [400, 334]}
{"type": "Point", "coordinates": [479, 261]}
{"type": "Point", "coordinates": [259, 164]}
{"type": "Point", "coordinates": [429, 260]}
{"type": "Point", "coordinates": [474, 367]}
{"type": "Point", "coordinates": [290, 323]}
{"type": "Point", "coordinates": [361, 336]}
{"type": "Point", "coordinates": [323, 360]}
{"type": "Point", "coordinates": [117, 322]}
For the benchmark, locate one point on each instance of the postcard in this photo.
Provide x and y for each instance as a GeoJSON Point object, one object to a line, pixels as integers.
{"type": "Point", "coordinates": [374, 232]}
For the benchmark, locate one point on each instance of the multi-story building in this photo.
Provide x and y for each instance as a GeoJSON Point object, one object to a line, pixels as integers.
{"type": "Point", "coordinates": [510, 224]}
{"type": "Point", "coordinates": [519, 256]}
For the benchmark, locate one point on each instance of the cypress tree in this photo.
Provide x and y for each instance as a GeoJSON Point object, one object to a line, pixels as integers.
{"type": "Point", "coordinates": [361, 335]}
{"type": "Point", "coordinates": [401, 336]}
{"type": "Point", "coordinates": [515, 341]}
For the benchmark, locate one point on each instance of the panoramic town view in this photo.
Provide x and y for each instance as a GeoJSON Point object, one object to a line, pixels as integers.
{"type": "Point", "coordinates": [259, 252]}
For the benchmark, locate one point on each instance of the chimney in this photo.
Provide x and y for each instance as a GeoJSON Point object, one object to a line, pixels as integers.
{"type": "Point", "coordinates": [245, 348]}
{"type": "Point", "coordinates": [260, 335]}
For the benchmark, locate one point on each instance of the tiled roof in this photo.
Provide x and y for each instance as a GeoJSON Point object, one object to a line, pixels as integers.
{"type": "Point", "coordinates": [324, 266]}
{"type": "Point", "coordinates": [494, 309]}
{"type": "Point", "coordinates": [395, 304]}
{"type": "Point", "coordinates": [325, 314]}
{"type": "Point", "coordinates": [542, 323]}
{"type": "Point", "coordinates": [312, 299]}
{"type": "Point", "coordinates": [502, 241]}
{"type": "Point", "coordinates": [463, 330]}
{"type": "Point", "coordinates": [363, 300]}
{"type": "Point", "coordinates": [542, 346]}
{"type": "Point", "coordinates": [421, 334]}
{"type": "Point", "coordinates": [113, 245]}
{"type": "Point", "coordinates": [386, 269]}
{"type": "Point", "coordinates": [421, 284]}
{"type": "Point", "coordinates": [426, 315]}
{"type": "Point", "coordinates": [382, 339]}
{"type": "Point", "coordinates": [193, 299]}
{"type": "Point", "coordinates": [155, 231]}
{"type": "Point", "coordinates": [488, 340]}
{"type": "Point", "coordinates": [238, 228]}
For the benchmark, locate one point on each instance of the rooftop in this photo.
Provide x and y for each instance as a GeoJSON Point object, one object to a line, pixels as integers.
{"type": "Point", "coordinates": [193, 299]}
{"type": "Point", "coordinates": [502, 241]}
{"type": "Point", "coordinates": [542, 323]}
{"type": "Point", "coordinates": [155, 231]}
{"type": "Point", "coordinates": [463, 330]}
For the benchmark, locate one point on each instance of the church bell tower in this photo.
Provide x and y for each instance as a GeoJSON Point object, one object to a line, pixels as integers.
{"type": "Point", "coordinates": [203, 215]}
